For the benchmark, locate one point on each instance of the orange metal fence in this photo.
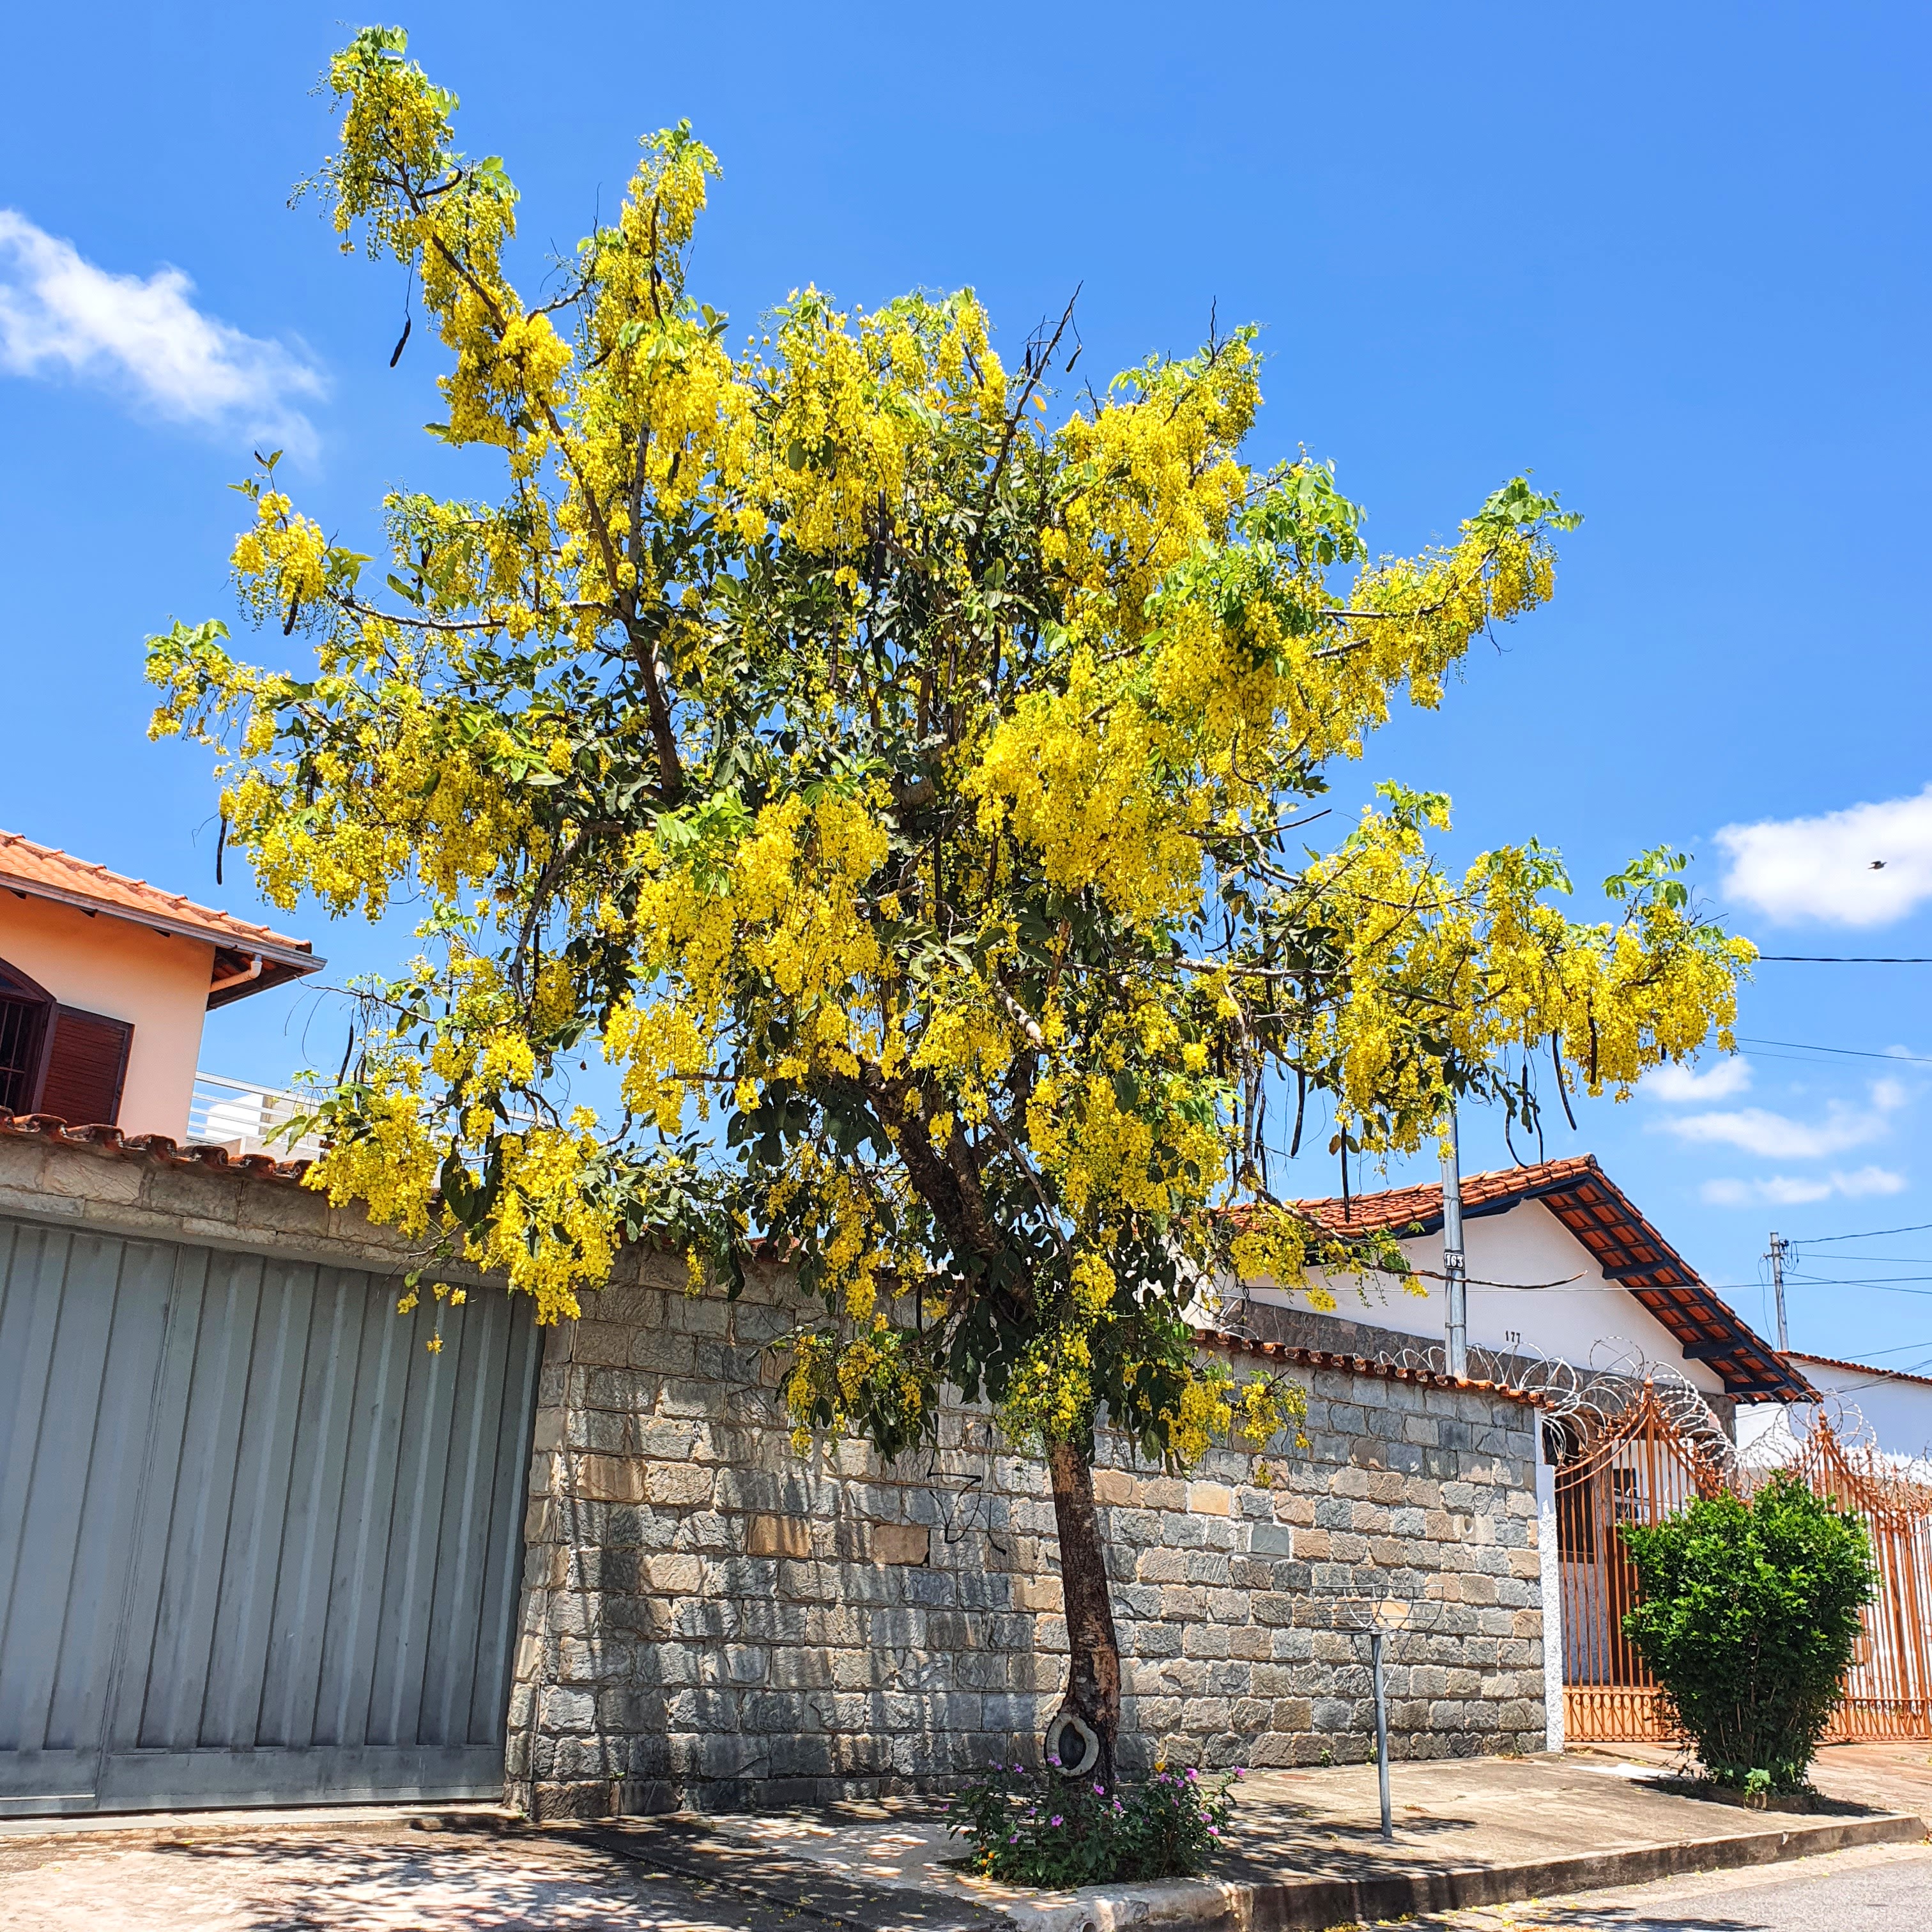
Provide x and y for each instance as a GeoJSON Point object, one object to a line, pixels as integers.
{"type": "Point", "coordinates": [1889, 1689]}
{"type": "Point", "coordinates": [1643, 1467]}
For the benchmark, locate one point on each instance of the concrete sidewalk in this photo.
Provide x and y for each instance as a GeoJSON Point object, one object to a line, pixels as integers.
{"type": "Point", "coordinates": [1306, 1853]}
{"type": "Point", "coordinates": [1307, 1849]}
{"type": "Point", "coordinates": [1892, 1775]}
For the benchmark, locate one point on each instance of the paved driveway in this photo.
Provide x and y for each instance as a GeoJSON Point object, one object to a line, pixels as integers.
{"type": "Point", "coordinates": [412, 1882]}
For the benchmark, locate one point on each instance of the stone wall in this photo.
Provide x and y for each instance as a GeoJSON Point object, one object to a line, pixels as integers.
{"type": "Point", "coordinates": [711, 1620]}
{"type": "Point", "coordinates": [98, 1180]}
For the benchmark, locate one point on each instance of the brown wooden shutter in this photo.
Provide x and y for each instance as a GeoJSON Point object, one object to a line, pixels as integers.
{"type": "Point", "coordinates": [85, 1068]}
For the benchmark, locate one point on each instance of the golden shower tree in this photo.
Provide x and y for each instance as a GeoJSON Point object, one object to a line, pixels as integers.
{"type": "Point", "coordinates": [893, 761]}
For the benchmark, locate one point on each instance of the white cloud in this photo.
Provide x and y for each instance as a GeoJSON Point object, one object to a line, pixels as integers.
{"type": "Point", "coordinates": [1822, 868]}
{"type": "Point", "coordinates": [1783, 1190]}
{"type": "Point", "coordinates": [1778, 1137]}
{"type": "Point", "coordinates": [60, 315]}
{"type": "Point", "coordinates": [1679, 1083]}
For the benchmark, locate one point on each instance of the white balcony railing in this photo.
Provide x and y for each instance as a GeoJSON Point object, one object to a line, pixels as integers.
{"type": "Point", "coordinates": [248, 1119]}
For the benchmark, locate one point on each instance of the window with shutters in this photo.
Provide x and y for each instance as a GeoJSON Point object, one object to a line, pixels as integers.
{"type": "Point", "coordinates": [24, 1008]}
{"type": "Point", "coordinates": [85, 1067]}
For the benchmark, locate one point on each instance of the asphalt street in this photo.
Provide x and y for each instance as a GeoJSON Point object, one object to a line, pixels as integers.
{"type": "Point", "coordinates": [1886, 1886]}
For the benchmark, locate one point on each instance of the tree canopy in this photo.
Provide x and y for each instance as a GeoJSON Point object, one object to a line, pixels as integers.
{"type": "Point", "coordinates": [895, 758]}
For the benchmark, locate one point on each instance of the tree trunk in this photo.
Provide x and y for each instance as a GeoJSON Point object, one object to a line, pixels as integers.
{"type": "Point", "coordinates": [1094, 1674]}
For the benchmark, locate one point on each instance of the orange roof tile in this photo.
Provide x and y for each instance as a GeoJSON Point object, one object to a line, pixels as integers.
{"type": "Point", "coordinates": [111, 1142]}
{"type": "Point", "coordinates": [42, 872]}
{"type": "Point", "coordinates": [1360, 1365]}
{"type": "Point", "coordinates": [1396, 1208]}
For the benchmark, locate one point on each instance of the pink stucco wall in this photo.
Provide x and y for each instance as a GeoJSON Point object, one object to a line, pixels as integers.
{"type": "Point", "coordinates": [129, 972]}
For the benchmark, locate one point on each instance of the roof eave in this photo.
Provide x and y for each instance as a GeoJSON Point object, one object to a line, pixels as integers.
{"type": "Point", "coordinates": [274, 972]}
{"type": "Point", "coordinates": [296, 960]}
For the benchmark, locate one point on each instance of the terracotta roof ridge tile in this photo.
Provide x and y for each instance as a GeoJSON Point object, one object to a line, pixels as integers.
{"type": "Point", "coordinates": [162, 1148]}
{"type": "Point", "coordinates": [1860, 1368]}
{"type": "Point", "coordinates": [1303, 1357]}
{"type": "Point", "coordinates": [1489, 1183]}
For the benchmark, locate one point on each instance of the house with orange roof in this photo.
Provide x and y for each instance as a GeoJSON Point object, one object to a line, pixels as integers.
{"type": "Point", "coordinates": [1888, 1409]}
{"type": "Point", "coordinates": [1573, 1294]}
{"type": "Point", "coordinates": [105, 982]}
{"type": "Point", "coordinates": [1561, 1265]}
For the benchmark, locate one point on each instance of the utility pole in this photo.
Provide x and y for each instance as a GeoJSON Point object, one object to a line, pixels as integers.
{"type": "Point", "coordinates": [1778, 1285]}
{"type": "Point", "coordinates": [1455, 1270]}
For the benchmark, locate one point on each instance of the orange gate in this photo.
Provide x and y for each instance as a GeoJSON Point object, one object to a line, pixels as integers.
{"type": "Point", "coordinates": [1889, 1688]}
{"type": "Point", "coordinates": [1643, 1467]}
{"type": "Point", "coordinates": [1640, 1470]}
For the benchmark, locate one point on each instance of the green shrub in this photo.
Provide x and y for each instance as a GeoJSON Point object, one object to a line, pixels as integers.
{"type": "Point", "coordinates": [1747, 1615]}
{"type": "Point", "coordinates": [1046, 1828]}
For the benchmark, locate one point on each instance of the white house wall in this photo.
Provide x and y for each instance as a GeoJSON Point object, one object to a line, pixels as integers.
{"type": "Point", "coordinates": [1584, 1319]}
{"type": "Point", "coordinates": [1898, 1410]}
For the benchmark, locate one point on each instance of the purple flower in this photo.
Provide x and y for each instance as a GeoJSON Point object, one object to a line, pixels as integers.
{"type": "Point", "coordinates": [1239, 1772]}
{"type": "Point", "coordinates": [1212, 1832]}
{"type": "Point", "coordinates": [1056, 1819]}
{"type": "Point", "coordinates": [999, 1767]}
{"type": "Point", "coordinates": [1193, 1776]}
{"type": "Point", "coordinates": [1052, 1760]}
{"type": "Point", "coordinates": [1100, 1791]}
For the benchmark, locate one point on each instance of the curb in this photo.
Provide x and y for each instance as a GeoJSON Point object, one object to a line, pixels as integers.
{"type": "Point", "coordinates": [137, 1830]}
{"type": "Point", "coordinates": [1310, 1903]}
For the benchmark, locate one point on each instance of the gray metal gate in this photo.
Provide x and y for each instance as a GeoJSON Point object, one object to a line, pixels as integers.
{"type": "Point", "coordinates": [257, 1545]}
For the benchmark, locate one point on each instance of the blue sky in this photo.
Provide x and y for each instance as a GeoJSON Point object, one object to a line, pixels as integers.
{"type": "Point", "coordinates": [1673, 260]}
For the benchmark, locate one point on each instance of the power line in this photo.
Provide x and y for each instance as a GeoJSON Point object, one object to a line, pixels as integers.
{"type": "Point", "coordinates": [1850, 1052]}
{"type": "Point", "coordinates": [1887, 1287]}
{"type": "Point", "coordinates": [1839, 959]}
{"type": "Point", "coordinates": [1869, 1234]}
{"type": "Point", "coordinates": [1857, 1280]}
{"type": "Point", "coordinates": [1903, 1349]}
{"type": "Point", "coordinates": [1923, 1260]}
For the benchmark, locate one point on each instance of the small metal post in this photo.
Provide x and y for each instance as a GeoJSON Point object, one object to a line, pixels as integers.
{"type": "Point", "coordinates": [1382, 1731]}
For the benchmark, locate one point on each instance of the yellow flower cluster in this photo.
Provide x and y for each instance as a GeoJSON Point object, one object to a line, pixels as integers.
{"type": "Point", "coordinates": [876, 1381]}
{"type": "Point", "coordinates": [1487, 965]}
{"type": "Point", "coordinates": [280, 564]}
{"type": "Point", "coordinates": [391, 1165]}
{"type": "Point", "coordinates": [548, 1236]}
{"type": "Point", "coordinates": [847, 406]}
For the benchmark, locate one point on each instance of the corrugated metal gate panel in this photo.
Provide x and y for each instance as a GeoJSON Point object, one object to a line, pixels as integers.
{"type": "Point", "coordinates": [257, 1543]}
